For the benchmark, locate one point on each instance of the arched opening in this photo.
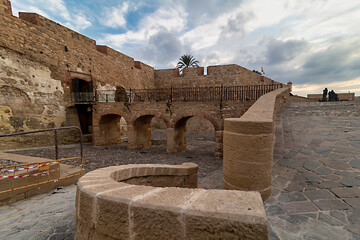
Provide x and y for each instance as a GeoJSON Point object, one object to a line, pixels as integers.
{"type": "Point", "coordinates": [110, 129]}
{"type": "Point", "coordinates": [158, 133]}
{"type": "Point", "coordinates": [194, 134]}
{"type": "Point", "coordinates": [142, 136]}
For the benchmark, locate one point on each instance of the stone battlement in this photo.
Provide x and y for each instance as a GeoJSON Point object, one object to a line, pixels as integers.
{"type": "Point", "coordinates": [152, 201]}
{"type": "Point", "coordinates": [229, 75]}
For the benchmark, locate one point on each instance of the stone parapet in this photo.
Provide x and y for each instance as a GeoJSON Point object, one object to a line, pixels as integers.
{"type": "Point", "coordinates": [152, 201]}
{"type": "Point", "coordinates": [249, 144]}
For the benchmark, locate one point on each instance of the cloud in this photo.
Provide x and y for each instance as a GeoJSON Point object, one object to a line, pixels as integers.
{"type": "Point", "coordinates": [55, 10]}
{"type": "Point", "coordinates": [339, 62]}
{"type": "Point", "coordinates": [114, 17]}
{"type": "Point", "coordinates": [163, 48]}
{"type": "Point", "coordinates": [280, 51]}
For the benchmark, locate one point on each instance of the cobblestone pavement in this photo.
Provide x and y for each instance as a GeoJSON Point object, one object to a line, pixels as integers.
{"type": "Point", "coordinates": [45, 216]}
{"type": "Point", "coordinates": [316, 172]}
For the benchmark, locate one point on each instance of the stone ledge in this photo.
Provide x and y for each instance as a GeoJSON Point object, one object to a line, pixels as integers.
{"type": "Point", "coordinates": [107, 206]}
{"type": "Point", "coordinates": [249, 144]}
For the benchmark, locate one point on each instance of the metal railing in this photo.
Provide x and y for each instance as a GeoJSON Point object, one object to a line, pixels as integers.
{"type": "Point", "coordinates": [82, 97]}
{"type": "Point", "coordinates": [202, 94]}
{"type": "Point", "coordinates": [22, 171]}
{"type": "Point", "coordinates": [193, 94]}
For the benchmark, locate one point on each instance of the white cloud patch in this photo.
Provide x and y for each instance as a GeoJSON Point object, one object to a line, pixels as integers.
{"type": "Point", "coordinates": [115, 17]}
{"type": "Point", "coordinates": [54, 10]}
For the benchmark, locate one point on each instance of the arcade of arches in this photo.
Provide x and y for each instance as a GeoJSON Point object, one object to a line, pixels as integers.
{"type": "Point", "coordinates": [138, 117]}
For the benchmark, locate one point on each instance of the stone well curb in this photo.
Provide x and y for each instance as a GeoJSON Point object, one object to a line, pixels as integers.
{"type": "Point", "coordinates": [111, 205]}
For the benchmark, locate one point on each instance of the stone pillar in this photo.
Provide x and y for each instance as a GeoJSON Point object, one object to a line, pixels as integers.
{"type": "Point", "coordinates": [219, 144]}
{"type": "Point", "coordinates": [96, 139]}
{"type": "Point", "coordinates": [176, 139]}
{"type": "Point", "coordinates": [139, 136]}
{"type": "Point", "coordinates": [131, 133]}
{"type": "Point", "coordinates": [170, 140]}
{"type": "Point", "coordinates": [248, 154]}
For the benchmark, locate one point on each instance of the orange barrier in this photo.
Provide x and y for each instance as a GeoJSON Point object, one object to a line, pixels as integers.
{"type": "Point", "coordinates": [34, 173]}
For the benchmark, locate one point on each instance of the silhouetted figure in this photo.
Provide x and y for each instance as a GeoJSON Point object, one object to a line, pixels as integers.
{"type": "Point", "coordinates": [325, 92]}
{"type": "Point", "coordinates": [333, 96]}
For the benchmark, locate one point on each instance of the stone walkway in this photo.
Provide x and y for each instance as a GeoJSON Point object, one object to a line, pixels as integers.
{"type": "Point", "coordinates": [45, 216]}
{"type": "Point", "coordinates": [316, 172]}
{"type": "Point", "coordinates": [316, 182]}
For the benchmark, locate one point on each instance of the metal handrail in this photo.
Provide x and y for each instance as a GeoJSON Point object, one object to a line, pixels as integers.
{"type": "Point", "coordinates": [55, 136]}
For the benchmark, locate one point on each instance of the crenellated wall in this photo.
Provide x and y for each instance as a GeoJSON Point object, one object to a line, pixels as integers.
{"type": "Point", "coordinates": [228, 75]}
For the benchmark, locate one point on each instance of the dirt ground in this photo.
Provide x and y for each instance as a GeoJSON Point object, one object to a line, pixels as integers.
{"type": "Point", "coordinates": [200, 150]}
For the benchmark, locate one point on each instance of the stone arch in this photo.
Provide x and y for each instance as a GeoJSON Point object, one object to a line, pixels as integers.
{"type": "Point", "coordinates": [178, 135]}
{"type": "Point", "coordinates": [188, 116]}
{"type": "Point", "coordinates": [109, 129]}
{"type": "Point", "coordinates": [139, 115]}
{"type": "Point", "coordinates": [140, 134]}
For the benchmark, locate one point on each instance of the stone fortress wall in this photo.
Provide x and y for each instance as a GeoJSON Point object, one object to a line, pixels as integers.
{"type": "Point", "coordinates": [39, 59]}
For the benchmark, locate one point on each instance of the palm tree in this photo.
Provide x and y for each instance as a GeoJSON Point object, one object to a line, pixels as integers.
{"type": "Point", "coordinates": [187, 61]}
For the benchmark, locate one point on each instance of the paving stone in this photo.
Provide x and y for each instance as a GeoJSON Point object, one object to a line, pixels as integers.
{"type": "Point", "coordinates": [315, 229]}
{"type": "Point", "coordinates": [326, 205]}
{"type": "Point", "coordinates": [353, 202]}
{"type": "Point", "coordinates": [312, 165]}
{"type": "Point", "coordinates": [311, 215]}
{"type": "Point", "coordinates": [307, 152]}
{"type": "Point", "coordinates": [319, 194]}
{"type": "Point", "coordinates": [299, 207]}
{"type": "Point", "coordinates": [291, 197]}
{"type": "Point", "coordinates": [355, 163]}
{"type": "Point", "coordinates": [279, 182]}
{"type": "Point", "coordinates": [272, 234]}
{"type": "Point", "coordinates": [332, 177]}
{"type": "Point", "coordinates": [289, 155]}
{"type": "Point", "coordinates": [294, 218]}
{"type": "Point", "coordinates": [339, 215]}
{"type": "Point", "coordinates": [354, 228]}
{"type": "Point", "coordinates": [353, 215]}
{"type": "Point", "coordinates": [350, 181]}
{"type": "Point", "coordinates": [290, 163]}
{"type": "Point", "coordinates": [323, 170]}
{"type": "Point", "coordinates": [324, 217]}
{"type": "Point", "coordinates": [275, 210]}
{"type": "Point", "coordinates": [323, 150]}
{"type": "Point", "coordinates": [346, 192]}
{"type": "Point", "coordinates": [311, 176]}
{"type": "Point", "coordinates": [326, 184]}
{"type": "Point", "coordinates": [344, 173]}
{"type": "Point", "coordinates": [334, 164]}
{"type": "Point", "coordinates": [294, 186]}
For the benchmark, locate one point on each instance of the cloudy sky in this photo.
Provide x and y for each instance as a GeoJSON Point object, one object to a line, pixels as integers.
{"type": "Point", "coordinates": [313, 43]}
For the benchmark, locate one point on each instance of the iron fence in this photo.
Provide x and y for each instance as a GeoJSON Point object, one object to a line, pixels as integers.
{"type": "Point", "coordinates": [202, 94]}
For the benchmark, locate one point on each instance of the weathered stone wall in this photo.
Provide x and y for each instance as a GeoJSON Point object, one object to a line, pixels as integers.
{"type": "Point", "coordinates": [249, 145]}
{"type": "Point", "coordinates": [228, 75]}
{"type": "Point", "coordinates": [38, 60]}
{"type": "Point", "coordinates": [109, 208]}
